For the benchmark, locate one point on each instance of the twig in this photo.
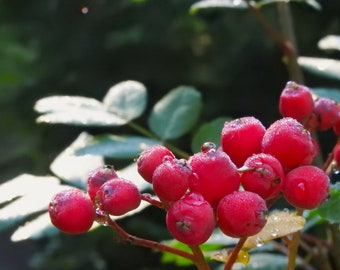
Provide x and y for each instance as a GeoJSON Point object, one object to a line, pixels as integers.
{"type": "Point", "coordinates": [233, 256]}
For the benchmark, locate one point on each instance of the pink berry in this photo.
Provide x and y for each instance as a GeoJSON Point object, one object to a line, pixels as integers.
{"type": "Point", "coordinates": [150, 158]}
{"type": "Point", "coordinates": [72, 211]}
{"type": "Point", "coordinates": [296, 101]}
{"type": "Point", "coordinates": [241, 138]}
{"type": "Point", "coordinates": [118, 196]}
{"type": "Point", "coordinates": [241, 214]}
{"type": "Point", "coordinates": [191, 219]}
{"type": "Point", "coordinates": [98, 177]}
{"type": "Point", "coordinates": [170, 180]}
{"type": "Point", "coordinates": [263, 174]}
{"type": "Point", "coordinates": [214, 175]}
{"type": "Point", "coordinates": [306, 187]}
{"type": "Point", "coordinates": [327, 112]}
{"type": "Point", "coordinates": [288, 141]}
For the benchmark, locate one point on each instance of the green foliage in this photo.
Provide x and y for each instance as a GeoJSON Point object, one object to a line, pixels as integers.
{"type": "Point", "coordinates": [329, 210]}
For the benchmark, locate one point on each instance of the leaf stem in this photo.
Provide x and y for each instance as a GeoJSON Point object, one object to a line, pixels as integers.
{"type": "Point", "coordinates": [233, 256]}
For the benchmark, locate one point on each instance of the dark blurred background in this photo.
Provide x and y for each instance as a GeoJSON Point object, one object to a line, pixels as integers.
{"type": "Point", "coordinates": [78, 47]}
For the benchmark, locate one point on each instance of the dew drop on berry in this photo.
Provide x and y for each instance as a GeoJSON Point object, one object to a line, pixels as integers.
{"type": "Point", "coordinates": [101, 217]}
{"type": "Point", "coordinates": [167, 159]}
{"type": "Point", "coordinates": [208, 146]}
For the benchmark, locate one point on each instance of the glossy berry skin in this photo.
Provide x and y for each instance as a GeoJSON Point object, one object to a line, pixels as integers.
{"type": "Point", "coordinates": [296, 101]}
{"type": "Point", "coordinates": [170, 181]}
{"type": "Point", "coordinates": [150, 158]}
{"type": "Point", "coordinates": [98, 177]}
{"type": "Point", "coordinates": [241, 214]}
{"type": "Point", "coordinates": [241, 138]}
{"type": "Point", "coordinates": [118, 196]}
{"type": "Point", "coordinates": [336, 154]}
{"type": "Point", "coordinates": [306, 187]}
{"type": "Point", "coordinates": [214, 175]}
{"type": "Point", "coordinates": [263, 174]}
{"type": "Point", "coordinates": [288, 141]}
{"type": "Point", "coordinates": [327, 112]}
{"type": "Point", "coordinates": [191, 219]}
{"type": "Point", "coordinates": [72, 211]}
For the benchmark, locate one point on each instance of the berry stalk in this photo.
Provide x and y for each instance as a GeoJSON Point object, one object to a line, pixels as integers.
{"type": "Point", "coordinates": [233, 256]}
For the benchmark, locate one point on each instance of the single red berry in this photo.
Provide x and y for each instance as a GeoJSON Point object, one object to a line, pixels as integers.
{"type": "Point", "coordinates": [263, 174]}
{"type": "Point", "coordinates": [191, 219]}
{"type": "Point", "coordinates": [288, 141]}
{"type": "Point", "coordinates": [170, 181]}
{"type": "Point", "coordinates": [98, 177]}
{"type": "Point", "coordinates": [72, 211]}
{"type": "Point", "coordinates": [336, 153]}
{"type": "Point", "coordinates": [241, 138]}
{"type": "Point", "coordinates": [241, 214]}
{"type": "Point", "coordinates": [296, 101]}
{"type": "Point", "coordinates": [306, 187]}
{"type": "Point", "coordinates": [214, 175]}
{"type": "Point", "coordinates": [118, 196]}
{"type": "Point", "coordinates": [336, 128]}
{"type": "Point", "coordinates": [327, 112]}
{"type": "Point", "coordinates": [150, 158]}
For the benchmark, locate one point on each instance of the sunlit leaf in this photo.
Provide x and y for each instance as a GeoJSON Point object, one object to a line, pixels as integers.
{"type": "Point", "coordinates": [332, 93]}
{"type": "Point", "coordinates": [264, 261]}
{"type": "Point", "coordinates": [330, 42]}
{"type": "Point", "coordinates": [313, 3]}
{"type": "Point", "coordinates": [176, 113]}
{"type": "Point", "coordinates": [278, 224]}
{"type": "Point", "coordinates": [329, 68]}
{"type": "Point", "coordinates": [239, 4]}
{"type": "Point", "coordinates": [209, 132]}
{"type": "Point", "coordinates": [223, 256]}
{"type": "Point", "coordinates": [130, 172]}
{"type": "Point", "coordinates": [126, 100]}
{"type": "Point", "coordinates": [330, 209]}
{"type": "Point", "coordinates": [72, 168]}
{"type": "Point", "coordinates": [114, 146]}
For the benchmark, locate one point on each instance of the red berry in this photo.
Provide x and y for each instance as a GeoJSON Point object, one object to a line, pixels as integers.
{"type": "Point", "coordinates": [241, 138]}
{"type": "Point", "coordinates": [170, 180]}
{"type": "Point", "coordinates": [118, 196]}
{"type": "Point", "coordinates": [214, 175]}
{"type": "Point", "coordinates": [296, 101]}
{"type": "Point", "coordinates": [336, 153]}
{"type": "Point", "coordinates": [150, 158]}
{"type": "Point", "coordinates": [263, 174]}
{"type": "Point", "coordinates": [306, 187]}
{"type": "Point", "coordinates": [288, 141]}
{"type": "Point", "coordinates": [72, 211]}
{"type": "Point", "coordinates": [241, 214]}
{"type": "Point", "coordinates": [191, 219]}
{"type": "Point", "coordinates": [98, 177]}
{"type": "Point", "coordinates": [327, 112]}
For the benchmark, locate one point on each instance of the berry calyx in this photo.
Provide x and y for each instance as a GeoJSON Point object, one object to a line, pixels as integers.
{"type": "Point", "coordinates": [296, 101]}
{"type": "Point", "coordinates": [306, 187]}
{"type": "Point", "coordinates": [118, 196]}
{"type": "Point", "coordinates": [241, 214]}
{"type": "Point", "coordinates": [191, 219]}
{"type": "Point", "coordinates": [98, 177]}
{"type": "Point", "coordinates": [241, 138]}
{"type": "Point", "coordinates": [170, 181]}
{"type": "Point", "coordinates": [288, 141]}
{"type": "Point", "coordinates": [263, 174]}
{"type": "Point", "coordinates": [150, 158]}
{"type": "Point", "coordinates": [214, 175]}
{"type": "Point", "coordinates": [72, 211]}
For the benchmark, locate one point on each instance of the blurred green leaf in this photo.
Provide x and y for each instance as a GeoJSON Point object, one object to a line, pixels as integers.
{"type": "Point", "coordinates": [240, 4]}
{"type": "Point", "coordinates": [114, 146]}
{"type": "Point", "coordinates": [330, 209]}
{"type": "Point", "coordinates": [209, 132]}
{"type": "Point", "coordinates": [330, 42]}
{"type": "Point", "coordinates": [127, 100]}
{"type": "Point", "coordinates": [176, 113]}
{"type": "Point", "coordinates": [329, 68]}
{"type": "Point", "coordinates": [332, 93]}
{"type": "Point", "coordinates": [313, 3]}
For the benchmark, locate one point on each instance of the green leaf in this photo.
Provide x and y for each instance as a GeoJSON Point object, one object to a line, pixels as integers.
{"type": "Point", "coordinates": [209, 132]}
{"type": "Point", "coordinates": [314, 4]}
{"type": "Point", "coordinates": [239, 4]}
{"type": "Point", "coordinates": [75, 110]}
{"type": "Point", "coordinates": [114, 146]}
{"type": "Point", "coordinates": [126, 100]}
{"type": "Point", "coordinates": [330, 42]}
{"type": "Point", "coordinates": [329, 68]}
{"type": "Point", "coordinates": [176, 113]}
{"type": "Point", "coordinates": [330, 209]}
{"type": "Point", "coordinates": [332, 93]}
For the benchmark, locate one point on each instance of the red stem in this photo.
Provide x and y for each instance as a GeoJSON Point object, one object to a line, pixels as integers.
{"type": "Point", "coordinates": [233, 256]}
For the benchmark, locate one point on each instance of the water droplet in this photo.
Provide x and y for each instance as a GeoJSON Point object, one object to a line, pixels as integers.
{"type": "Point", "coordinates": [259, 242]}
{"type": "Point", "coordinates": [101, 217]}
{"type": "Point", "coordinates": [167, 159]}
{"type": "Point", "coordinates": [208, 146]}
{"type": "Point", "coordinates": [275, 232]}
{"type": "Point", "coordinates": [84, 10]}
{"type": "Point", "coordinates": [285, 210]}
